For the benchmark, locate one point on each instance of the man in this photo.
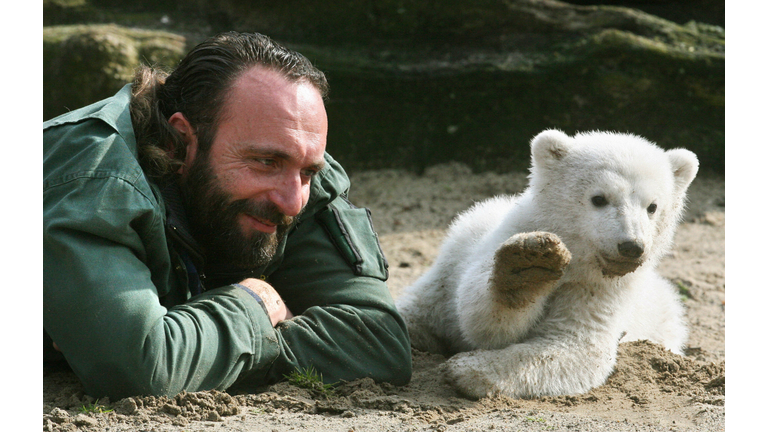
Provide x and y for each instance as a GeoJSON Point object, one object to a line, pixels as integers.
{"type": "Point", "coordinates": [196, 234]}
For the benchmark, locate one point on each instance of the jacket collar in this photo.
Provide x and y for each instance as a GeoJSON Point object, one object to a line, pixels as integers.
{"type": "Point", "coordinates": [176, 221]}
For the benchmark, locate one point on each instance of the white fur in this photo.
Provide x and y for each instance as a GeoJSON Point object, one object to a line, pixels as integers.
{"type": "Point", "coordinates": [565, 340]}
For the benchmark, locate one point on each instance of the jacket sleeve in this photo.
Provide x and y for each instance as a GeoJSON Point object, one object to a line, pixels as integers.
{"type": "Point", "coordinates": [106, 272]}
{"type": "Point", "coordinates": [333, 279]}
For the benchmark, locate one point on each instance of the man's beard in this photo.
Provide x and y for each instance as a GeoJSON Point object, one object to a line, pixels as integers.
{"type": "Point", "coordinates": [213, 217]}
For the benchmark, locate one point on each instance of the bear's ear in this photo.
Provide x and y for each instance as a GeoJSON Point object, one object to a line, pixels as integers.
{"type": "Point", "coordinates": [685, 165]}
{"type": "Point", "coordinates": [549, 146]}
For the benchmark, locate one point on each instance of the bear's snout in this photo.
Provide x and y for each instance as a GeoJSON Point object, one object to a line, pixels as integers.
{"type": "Point", "coordinates": [631, 249]}
{"type": "Point", "coordinates": [628, 259]}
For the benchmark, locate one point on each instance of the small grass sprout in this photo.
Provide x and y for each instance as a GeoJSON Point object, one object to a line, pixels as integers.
{"type": "Point", "coordinates": [684, 291]}
{"type": "Point", "coordinates": [95, 407]}
{"type": "Point", "coordinates": [310, 379]}
{"type": "Point", "coordinates": [539, 420]}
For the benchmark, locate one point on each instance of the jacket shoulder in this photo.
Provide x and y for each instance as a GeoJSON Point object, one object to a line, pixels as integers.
{"type": "Point", "coordinates": [112, 111]}
{"type": "Point", "coordinates": [93, 141]}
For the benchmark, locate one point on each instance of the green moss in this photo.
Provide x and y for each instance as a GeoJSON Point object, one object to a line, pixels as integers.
{"type": "Point", "coordinates": [85, 63]}
{"type": "Point", "coordinates": [419, 82]}
{"type": "Point", "coordinates": [64, 3]}
{"type": "Point", "coordinates": [485, 113]}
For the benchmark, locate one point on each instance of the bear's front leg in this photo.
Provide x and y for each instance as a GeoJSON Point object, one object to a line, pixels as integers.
{"type": "Point", "coordinates": [532, 369]}
{"type": "Point", "coordinates": [526, 267]}
{"type": "Point", "coordinates": [502, 296]}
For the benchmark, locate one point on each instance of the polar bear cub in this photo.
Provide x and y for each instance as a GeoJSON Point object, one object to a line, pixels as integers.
{"type": "Point", "coordinates": [536, 291]}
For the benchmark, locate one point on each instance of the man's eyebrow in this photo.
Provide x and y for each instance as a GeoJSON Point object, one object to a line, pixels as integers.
{"type": "Point", "coordinates": [318, 166]}
{"type": "Point", "coordinates": [268, 152]}
{"type": "Point", "coordinates": [280, 154]}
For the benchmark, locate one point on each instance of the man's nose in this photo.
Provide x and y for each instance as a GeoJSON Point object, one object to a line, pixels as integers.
{"type": "Point", "coordinates": [290, 195]}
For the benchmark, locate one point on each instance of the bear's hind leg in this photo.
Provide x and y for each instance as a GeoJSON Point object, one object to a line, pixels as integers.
{"type": "Point", "coordinates": [526, 267]}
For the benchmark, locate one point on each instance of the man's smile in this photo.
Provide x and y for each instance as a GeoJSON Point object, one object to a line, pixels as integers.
{"type": "Point", "coordinates": [260, 224]}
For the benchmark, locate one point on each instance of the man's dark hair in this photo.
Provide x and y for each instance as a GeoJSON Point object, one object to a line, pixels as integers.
{"type": "Point", "coordinates": [198, 88]}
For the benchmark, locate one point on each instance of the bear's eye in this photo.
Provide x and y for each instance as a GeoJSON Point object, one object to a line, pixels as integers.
{"type": "Point", "coordinates": [652, 209]}
{"type": "Point", "coordinates": [599, 201]}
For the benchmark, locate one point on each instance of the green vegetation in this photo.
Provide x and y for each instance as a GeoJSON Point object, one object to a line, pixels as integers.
{"type": "Point", "coordinates": [685, 292]}
{"type": "Point", "coordinates": [414, 84]}
{"type": "Point", "coordinates": [310, 379]}
{"type": "Point", "coordinates": [539, 420]}
{"type": "Point", "coordinates": [96, 408]}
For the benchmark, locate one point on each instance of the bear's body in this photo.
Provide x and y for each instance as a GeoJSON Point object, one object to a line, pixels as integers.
{"type": "Point", "coordinates": [536, 291]}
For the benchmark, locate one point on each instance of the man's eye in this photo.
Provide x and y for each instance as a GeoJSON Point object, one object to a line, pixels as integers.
{"type": "Point", "coordinates": [266, 161]}
{"type": "Point", "coordinates": [308, 175]}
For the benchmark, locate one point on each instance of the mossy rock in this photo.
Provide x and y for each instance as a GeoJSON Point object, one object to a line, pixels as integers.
{"type": "Point", "coordinates": [85, 63]}
{"type": "Point", "coordinates": [419, 23]}
{"type": "Point", "coordinates": [482, 106]}
{"type": "Point", "coordinates": [415, 82]}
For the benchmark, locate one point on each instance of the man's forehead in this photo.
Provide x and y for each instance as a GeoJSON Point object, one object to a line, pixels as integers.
{"type": "Point", "coordinates": [267, 92]}
{"type": "Point", "coordinates": [269, 82]}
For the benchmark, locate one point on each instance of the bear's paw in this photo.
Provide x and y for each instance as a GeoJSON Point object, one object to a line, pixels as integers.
{"type": "Point", "coordinates": [527, 266]}
{"type": "Point", "coordinates": [469, 375]}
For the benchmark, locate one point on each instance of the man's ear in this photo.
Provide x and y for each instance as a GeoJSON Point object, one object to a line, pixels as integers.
{"type": "Point", "coordinates": [187, 132]}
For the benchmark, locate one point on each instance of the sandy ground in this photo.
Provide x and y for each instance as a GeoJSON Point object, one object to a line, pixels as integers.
{"type": "Point", "coordinates": [650, 390]}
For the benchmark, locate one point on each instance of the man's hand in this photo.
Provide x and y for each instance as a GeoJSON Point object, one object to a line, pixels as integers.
{"type": "Point", "coordinates": [276, 307]}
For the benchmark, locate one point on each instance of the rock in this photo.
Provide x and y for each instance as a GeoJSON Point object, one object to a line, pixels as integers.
{"type": "Point", "coordinates": [171, 409]}
{"type": "Point", "coordinates": [213, 416]}
{"type": "Point", "coordinates": [85, 63]}
{"type": "Point", "coordinates": [59, 416]}
{"type": "Point", "coordinates": [47, 425]}
{"type": "Point", "coordinates": [84, 420]}
{"type": "Point", "coordinates": [415, 84]}
{"type": "Point", "coordinates": [126, 406]}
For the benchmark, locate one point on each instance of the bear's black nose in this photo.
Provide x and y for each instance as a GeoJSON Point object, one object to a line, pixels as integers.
{"type": "Point", "coordinates": [630, 249]}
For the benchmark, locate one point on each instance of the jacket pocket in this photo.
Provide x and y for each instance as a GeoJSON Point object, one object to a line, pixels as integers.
{"type": "Point", "coordinates": [351, 231]}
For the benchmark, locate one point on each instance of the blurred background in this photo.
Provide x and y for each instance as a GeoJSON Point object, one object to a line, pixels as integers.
{"type": "Point", "coordinates": [415, 83]}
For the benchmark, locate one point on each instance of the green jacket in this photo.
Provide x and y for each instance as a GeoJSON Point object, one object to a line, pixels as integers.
{"type": "Point", "coordinates": [118, 266]}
